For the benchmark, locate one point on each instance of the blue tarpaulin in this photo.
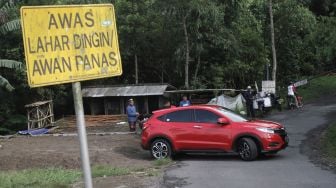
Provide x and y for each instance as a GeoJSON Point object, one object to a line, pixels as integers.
{"type": "Point", "coordinates": [34, 132]}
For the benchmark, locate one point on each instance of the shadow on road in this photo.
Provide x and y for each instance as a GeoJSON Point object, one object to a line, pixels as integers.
{"type": "Point", "coordinates": [221, 157]}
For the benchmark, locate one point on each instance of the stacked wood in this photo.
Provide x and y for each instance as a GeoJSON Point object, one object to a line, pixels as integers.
{"type": "Point", "coordinates": [40, 114]}
{"type": "Point", "coordinates": [94, 120]}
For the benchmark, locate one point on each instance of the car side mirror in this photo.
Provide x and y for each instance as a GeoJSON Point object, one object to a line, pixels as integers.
{"type": "Point", "coordinates": [223, 121]}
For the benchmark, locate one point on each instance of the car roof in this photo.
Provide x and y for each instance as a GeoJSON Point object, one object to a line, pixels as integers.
{"type": "Point", "coordinates": [172, 109]}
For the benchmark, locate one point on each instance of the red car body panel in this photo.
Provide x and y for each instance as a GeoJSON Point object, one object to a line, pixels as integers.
{"type": "Point", "coordinates": [193, 135]}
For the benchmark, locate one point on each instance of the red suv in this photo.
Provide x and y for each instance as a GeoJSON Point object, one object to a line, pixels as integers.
{"type": "Point", "coordinates": [207, 128]}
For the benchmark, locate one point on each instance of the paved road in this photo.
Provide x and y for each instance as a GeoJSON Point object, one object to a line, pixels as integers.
{"type": "Point", "coordinates": [289, 168]}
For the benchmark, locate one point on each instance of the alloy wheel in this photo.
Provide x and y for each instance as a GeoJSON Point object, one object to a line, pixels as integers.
{"type": "Point", "coordinates": [160, 150]}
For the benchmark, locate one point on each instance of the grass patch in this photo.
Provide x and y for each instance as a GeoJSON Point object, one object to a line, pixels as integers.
{"type": "Point", "coordinates": [38, 178]}
{"type": "Point", "coordinates": [318, 87]}
{"type": "Point", "coordinates": [329, 141]}
{"type": "Point", "coordinates": [53, 177]}
{"type": "Point", "coordinates": [162, 162]}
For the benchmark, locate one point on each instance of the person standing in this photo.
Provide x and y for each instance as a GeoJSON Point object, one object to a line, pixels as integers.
{"type": "Point", "coordinates": [166, 104]}
{"type": "Point", "coordinates": [249, 96]}
{"type": "Point", "coordinates": [132, 115]}
{"type": "Point", "coordinates": [185, 101]}
{"type": "Point", "coordinates": [292, 95]}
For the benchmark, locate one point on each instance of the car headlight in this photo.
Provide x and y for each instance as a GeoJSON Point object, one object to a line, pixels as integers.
{"type": "Point", "coordinates": [265, 130]}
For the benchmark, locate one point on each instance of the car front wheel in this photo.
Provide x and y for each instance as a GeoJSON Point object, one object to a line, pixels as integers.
{"type": "Point", "coordinates": [247, 149]}
{"type": "Point", "coordinates": [160, 149]}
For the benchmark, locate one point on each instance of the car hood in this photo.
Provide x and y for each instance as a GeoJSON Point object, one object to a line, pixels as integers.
{"type": "Point", "coordinates": [264, 123]}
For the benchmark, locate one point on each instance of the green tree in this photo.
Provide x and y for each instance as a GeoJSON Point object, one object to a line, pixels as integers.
{"type": "Point", "coordinates": [294, 25]}
{"type": "Point", "coordinates": [9, 22]}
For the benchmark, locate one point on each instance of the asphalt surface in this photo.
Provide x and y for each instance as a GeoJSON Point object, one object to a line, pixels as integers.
{"type": "Point", "coordinates": [289, 168]}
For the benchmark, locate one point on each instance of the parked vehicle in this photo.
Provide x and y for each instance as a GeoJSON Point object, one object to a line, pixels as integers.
{"type": "Point", "coordinates": [207, 128]}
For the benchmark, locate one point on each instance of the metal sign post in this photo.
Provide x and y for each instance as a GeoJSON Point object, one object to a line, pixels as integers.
{"type": "Point", "coordinates": [80, 121]}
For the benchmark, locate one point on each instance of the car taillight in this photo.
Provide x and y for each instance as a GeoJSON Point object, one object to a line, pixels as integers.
{"type": "Point", "coordinates": [145, 126]}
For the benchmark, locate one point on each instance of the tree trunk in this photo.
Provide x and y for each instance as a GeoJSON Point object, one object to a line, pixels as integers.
{"type": "Point", "coordinates": [186, 66]}
{"type": "Point", "coordinates": [161, 72]}
{"type": "Point", "coordinates": [273, 43]}
{"type": "Point", "coordinates": [136, 68]}
{"type": "Point", "coordinates": [197, 68]}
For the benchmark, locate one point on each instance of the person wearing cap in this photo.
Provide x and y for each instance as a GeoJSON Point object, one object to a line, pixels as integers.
{"type": "Point", "coordinates": [249, 96]}
{"type": "Point", "coordinates": [132, 115]}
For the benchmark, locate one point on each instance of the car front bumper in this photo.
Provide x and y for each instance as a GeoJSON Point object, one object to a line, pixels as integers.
{"type": "Point", "coordinates": [275, 142]}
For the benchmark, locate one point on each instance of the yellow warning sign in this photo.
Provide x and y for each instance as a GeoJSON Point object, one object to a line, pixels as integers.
{"type": "Point", "coordinates": [70, 43]}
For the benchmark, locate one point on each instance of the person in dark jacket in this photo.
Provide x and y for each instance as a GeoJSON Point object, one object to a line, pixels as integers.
{"type": "Point", "coordinates": [132, 115]}
{"type": "Point", "coordinates": [249, 96]}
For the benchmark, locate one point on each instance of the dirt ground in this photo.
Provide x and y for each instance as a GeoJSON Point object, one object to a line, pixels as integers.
{"type": "Point", "coordinates": [24, 152]}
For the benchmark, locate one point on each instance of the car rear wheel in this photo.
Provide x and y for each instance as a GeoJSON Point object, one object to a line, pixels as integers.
{"type": "Point", "coordinates": [247, 149]}
{"type": "Point", "coordinates": [161, 149]}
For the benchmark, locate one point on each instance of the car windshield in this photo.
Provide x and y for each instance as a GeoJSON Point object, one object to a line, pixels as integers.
{"type": "Point", "coordinates": [232, 115]}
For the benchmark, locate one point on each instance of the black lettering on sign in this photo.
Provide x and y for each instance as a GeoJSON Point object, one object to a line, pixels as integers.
{"type": "Point", "coordinates": [87, 65]}
{"type": "Point", "coordinates": [65, 20]}
{"type": "Point", "coordinates": [77, 41]}
{"type": "Point", "coordinates": [95, 60]}
{"type": "Point", "coordinates": [79, 61]}
{"type": "Point", "coordinates": [56, 66]}
{"type": "Point", "coordinates": [78, 20]}
{"type": "Point", "coordinates": [57, 45]}
{"type": "Point", "coordinates": [46, 66]}
{"type": "Point", "coordinates": [49, 44]}
{"type": "Point", "coordinates": [31, 51]}
{"type": "Point", "coordinates": [69, 20]}
{"type": "Point", "coordinates": [113, 59]}
{"type": "Point", "coordinates": [105, 63]}
{"type": "Point", "coordinates": [39, 45]}
{"type": "Point", "coordinates": [104, 59]}
{"type": "Point", "coordinates": [92, 40]}
{"type": "Point", "coordinates": [66, 64]}
{"type": "Point", "coordinates": [51, 66]}
{"type": "Point", "coordinates": [98, 60]}
{"type": "Point", "coordinates": [36, 68]}
{"type": "Point", "coordinates": [65, 42]}
{"type": "Point", "coordinates": [89, 19]}
{"type": "Point", "coordinates": [52, 22]}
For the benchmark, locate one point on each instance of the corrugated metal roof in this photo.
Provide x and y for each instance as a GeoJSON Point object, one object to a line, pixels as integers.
{"type": "Point", "coordinates": [125, 91]}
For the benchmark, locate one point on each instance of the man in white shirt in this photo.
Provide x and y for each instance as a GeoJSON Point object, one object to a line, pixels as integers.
{"type": "Point", "coordinates": [291, 94]}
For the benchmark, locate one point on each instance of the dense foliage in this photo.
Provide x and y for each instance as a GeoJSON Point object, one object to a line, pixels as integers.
{"type": "Point", "coordinates": [189, 44]}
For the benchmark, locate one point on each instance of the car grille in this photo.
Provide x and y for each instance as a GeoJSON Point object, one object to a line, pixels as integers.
{"type": "Point", "coordinates": [281, 132]}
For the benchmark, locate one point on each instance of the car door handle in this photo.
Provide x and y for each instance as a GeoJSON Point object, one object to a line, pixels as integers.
{"type": "Point", "coordinates": [197, 127]}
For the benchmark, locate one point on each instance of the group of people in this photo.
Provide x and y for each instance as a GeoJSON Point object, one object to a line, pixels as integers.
{"type": "Point", "coordinates": [292, 95]}
{"type": "Point", "coordinates": [248, 94]}
{"type": "Point", "coordinates": [132, 114]}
